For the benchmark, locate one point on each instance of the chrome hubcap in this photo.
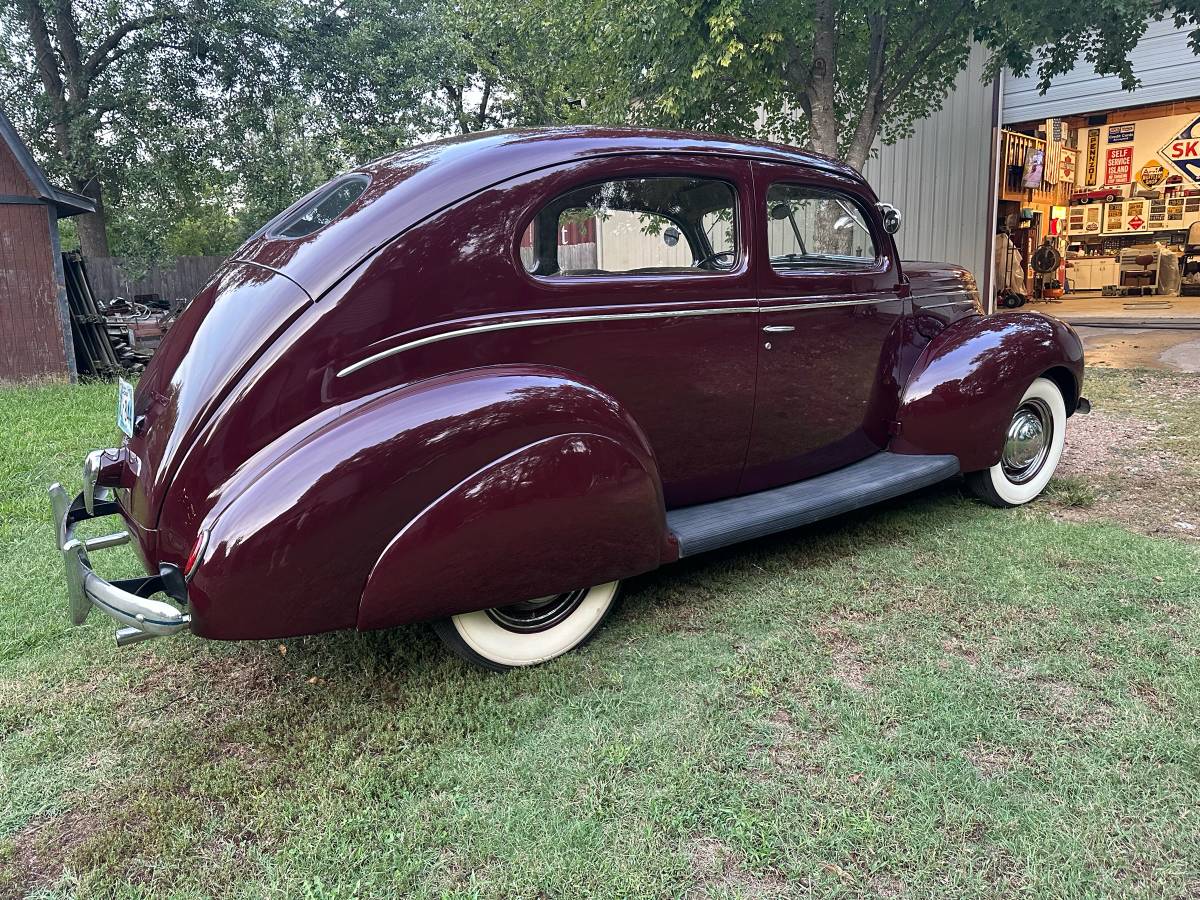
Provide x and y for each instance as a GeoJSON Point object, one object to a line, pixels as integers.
{"type": "Point", "coordinates": [537, 615]}
{"type": "Point", "coordinates": [1028, 441]}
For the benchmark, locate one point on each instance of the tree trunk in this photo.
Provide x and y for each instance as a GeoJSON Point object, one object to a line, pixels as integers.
{"type": "Point", "coordinates": [813, 77]}
{"type": "Point", "coordinates": [92, 227]}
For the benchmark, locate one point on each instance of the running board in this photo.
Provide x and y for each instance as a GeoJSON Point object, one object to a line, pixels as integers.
{"type": "Point", "coordinates": [708, 526]}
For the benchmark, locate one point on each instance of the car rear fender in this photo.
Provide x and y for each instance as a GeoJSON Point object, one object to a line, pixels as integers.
{"type": "Point", "coordinates": [569, 511]}
{"type": "Point", "coordinates": [963, 389]}
{"type": "Point", "coordinates": [382, 494]}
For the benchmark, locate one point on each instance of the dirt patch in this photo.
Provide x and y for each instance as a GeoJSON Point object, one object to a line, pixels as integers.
{"type": "Point", "coordinates": [1133, 472]}
{"type": "Point", "coordinates": [845, 656]}
{"type": "Point", "coordinates": [42, 847]}
{"type": "Point", "coordinates": [885, 886]}
{"type": "Point", "coordinates": [792, 748]}
{"type": "Point", "coordinates": [1147, 694]}
{"type": "Point", "coordinates": [1042, 696]}
{"type": "Point", "coordinates": [991, 761]}
{"type": "Point", "coordinates": [1099, 443]}
{"type": "Point", "coordinates": [716, 866]}
{"type": "Point", "coordinates": [187, 685]}
{"type": "Point", "coordinates": [953, 648]}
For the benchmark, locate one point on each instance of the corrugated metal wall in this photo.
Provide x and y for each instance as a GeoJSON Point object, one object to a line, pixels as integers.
{"type": "Point", "coordinates": [940, 177]}
{"type": "Point", "coordinates": [1162, 60]}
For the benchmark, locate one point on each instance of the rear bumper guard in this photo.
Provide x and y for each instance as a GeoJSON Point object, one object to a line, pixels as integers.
{"type": "Point", "coordinates": [126, 600]}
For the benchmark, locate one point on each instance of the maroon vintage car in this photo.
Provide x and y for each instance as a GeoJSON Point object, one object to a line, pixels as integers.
{"type": "Point", "coordinates": [482, 381]}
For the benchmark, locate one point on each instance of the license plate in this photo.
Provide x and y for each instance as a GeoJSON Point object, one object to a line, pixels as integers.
{"type": "Point", "coordinates": [125, 406]}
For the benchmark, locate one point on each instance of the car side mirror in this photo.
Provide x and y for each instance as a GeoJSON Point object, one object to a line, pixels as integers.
{"type": "Point", "coordinates": [891, 217]}
{"type": "Point", "coordinates": [780, 211]}
{"type": "Point", "coordinates": [671, 236]}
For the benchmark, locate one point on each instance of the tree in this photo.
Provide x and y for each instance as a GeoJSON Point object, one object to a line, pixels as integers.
{"type": "Point", "coordinates": [446, 68]}
{"type": "Point", "coordinates": [1023, 35]}
{"type": "Point", "coordinates": [142, 104]}
{"type": "Point", "coordinates": [830, 75]}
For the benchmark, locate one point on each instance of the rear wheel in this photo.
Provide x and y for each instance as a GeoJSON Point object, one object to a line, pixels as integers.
{"type": "Point", "coordinates": [528, 633]}
{"type": "Point", "coordinates": [1033, 445]}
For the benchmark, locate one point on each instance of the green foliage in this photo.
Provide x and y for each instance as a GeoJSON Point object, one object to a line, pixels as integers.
{"type": "Point", "coordinates": [1024, 35]}
{"type": "Point", "coordinates": [200, 119]}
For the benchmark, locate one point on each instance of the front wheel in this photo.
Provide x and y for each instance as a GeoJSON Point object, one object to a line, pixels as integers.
{"type": "Point", "coordinates": [1033, 445]}
{"type": "Point", "coordinates": [528, 633]}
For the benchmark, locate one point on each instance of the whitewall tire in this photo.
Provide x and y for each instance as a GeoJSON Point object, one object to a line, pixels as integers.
{"type": "Point", "coordinates": [1033, 445]}
{"type": "Point", "coordinates": [525, 634]}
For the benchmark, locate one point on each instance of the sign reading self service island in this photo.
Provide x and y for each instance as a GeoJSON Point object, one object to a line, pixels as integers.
{"type": "Point", "coordinates": [1182, 152]}
{"type": "Point", "coordinates": [1118, 168]}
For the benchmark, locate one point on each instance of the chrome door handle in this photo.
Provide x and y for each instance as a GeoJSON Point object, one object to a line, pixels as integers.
{"type": "Point", "coordinates": [775, 329]}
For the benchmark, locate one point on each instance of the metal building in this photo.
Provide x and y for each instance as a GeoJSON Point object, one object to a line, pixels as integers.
{"type": "Point", "coordinates": [1165, 65]}
{"type": "Point", "coordinates": [940, 176]}
{"type": "Point", "coordinates": [944, 176]}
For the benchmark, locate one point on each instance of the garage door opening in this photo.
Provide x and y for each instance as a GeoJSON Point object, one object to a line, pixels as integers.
{"type": "Point", "coordinates": [1098, 215]}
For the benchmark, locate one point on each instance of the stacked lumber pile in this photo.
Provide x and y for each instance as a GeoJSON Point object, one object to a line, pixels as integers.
{"type": "Point", "coordinates": [101, 350]}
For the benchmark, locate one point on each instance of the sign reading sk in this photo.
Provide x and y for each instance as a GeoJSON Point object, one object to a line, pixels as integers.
{"type": "Point", "coordinates": [1182, 152]}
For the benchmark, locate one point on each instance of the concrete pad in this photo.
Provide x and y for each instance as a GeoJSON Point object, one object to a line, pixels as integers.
{"type": "Point", "coordinates": [1085, 308]}
{"type": "Point", "coordinates": [1185, 356]}
{"type": "Point", "coordinates": [1174, 349]}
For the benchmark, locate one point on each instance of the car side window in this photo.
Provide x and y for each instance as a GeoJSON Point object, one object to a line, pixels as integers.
{"type": "Point", "coordinates": [658, 225]}
{"type": "Point", "coordinates": [810, 228]}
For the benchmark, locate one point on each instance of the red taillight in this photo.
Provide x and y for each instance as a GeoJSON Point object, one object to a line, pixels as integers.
{"type": "Point", "coordinates": [193, 559]}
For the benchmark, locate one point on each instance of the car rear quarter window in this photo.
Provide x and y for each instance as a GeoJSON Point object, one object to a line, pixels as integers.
{"type": "Point", "coordinates": [656, 225]}
{"type": "Point", "coordinates": [811, 228]}
{"type": "Point", "coordinates": [323, 208]}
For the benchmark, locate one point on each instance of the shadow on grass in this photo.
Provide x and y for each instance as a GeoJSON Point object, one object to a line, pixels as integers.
{"type": "Point", "coordinates": [413, 648]}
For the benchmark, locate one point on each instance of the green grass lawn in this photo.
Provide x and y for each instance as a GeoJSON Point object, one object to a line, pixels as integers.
{"type": "Point", "coordinates": [929, 698]}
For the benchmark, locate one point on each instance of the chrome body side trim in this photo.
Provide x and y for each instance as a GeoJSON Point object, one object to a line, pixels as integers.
{"type": "Point", "coordinates": [795, 307]}
{"type": "Point", "coordinates": [514, 324]}
{"type": "Point", "coordinates": [965, 295]}
{"type": "Point", "coordinates": [965, 301]}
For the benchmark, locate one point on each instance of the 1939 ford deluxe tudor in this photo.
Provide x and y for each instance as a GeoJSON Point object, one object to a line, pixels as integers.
{"type": "Point", "coordinates": [482, 381]}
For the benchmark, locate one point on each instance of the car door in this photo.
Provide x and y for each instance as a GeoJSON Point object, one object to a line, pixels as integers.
{"type": "Point", "coordinates": [672, 341]}
{"type": "Point", "coordinates": [830, 326]}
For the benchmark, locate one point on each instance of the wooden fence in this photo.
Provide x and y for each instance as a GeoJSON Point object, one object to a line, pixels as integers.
{"type": "Point", "coordinates": [112, 276]}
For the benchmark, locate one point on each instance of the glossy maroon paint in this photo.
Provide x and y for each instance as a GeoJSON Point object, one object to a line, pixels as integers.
{"type": "Point", "coordinates": [511, 462]}
{"type": "Point", "coordinates": [970, 377]}
{"type": "Point", "coordinates": [574, 508]}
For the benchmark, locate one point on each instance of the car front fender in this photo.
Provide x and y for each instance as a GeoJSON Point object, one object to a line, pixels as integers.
{"type": "Point", "coordinates": [293, 544]}
{"type": "Point", "coordinates": [963, 389]}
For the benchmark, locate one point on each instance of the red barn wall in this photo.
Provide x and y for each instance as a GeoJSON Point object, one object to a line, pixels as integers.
{"type": "Point", "coordinates": [31, 331]}
{"type": "Point", "coordinates": [12, 177]}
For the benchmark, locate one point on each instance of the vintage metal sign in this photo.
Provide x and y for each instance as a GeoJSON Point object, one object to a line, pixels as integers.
{"type": "Point", "coordinates": [1120, 134]}
{"type": "Point", "coordinates": [1093, 152]}
{"type": "Point", "coordinates": [1153, 174]}
{"type": "Point", "coordinates": [1182, 152]}
{"type": "Point", "coordinates": [1118, 168]}
{"type": "Point", "coordinates": [1066, 166]}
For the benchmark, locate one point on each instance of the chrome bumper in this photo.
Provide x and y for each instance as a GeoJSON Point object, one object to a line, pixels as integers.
{"type": "Point", "coordinates": [128, 600]}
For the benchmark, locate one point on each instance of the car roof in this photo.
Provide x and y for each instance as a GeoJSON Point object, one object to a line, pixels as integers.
{"type": "Point", "coordinates": [540, 147]}
{"type": "Point", "coordinates": [413, 184]}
